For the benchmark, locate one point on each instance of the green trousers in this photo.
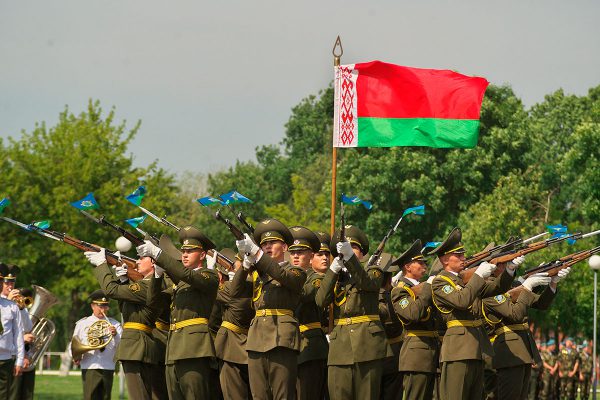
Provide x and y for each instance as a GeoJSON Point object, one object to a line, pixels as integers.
{"type": "Point", "coordinates": [138, 376]}
{"type": "Point", "coordinates": [357, 381]}
{"type": "Point", "coordinates": [461, 380]}
{"type": "Point", "coordinates": [513, 382]}
{"type": "Point", "coordinates": [6, 377]}
{"type": "Point", "coordinates": [418, 385]}
{"type": "Point", "coordinates": [22, 386]}
{"type": "Point", "coordinates": [273, 374]}
{"type": "Point", "coordinates": [190, 379]}
{"type": "Point", "coordinates": [97, 383]}
{"type": "Point", "coordinates": [234, 380]}
{"type": "Point", "coordinates": [312, 380]}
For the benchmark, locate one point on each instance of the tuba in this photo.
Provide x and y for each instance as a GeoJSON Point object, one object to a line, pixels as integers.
{"type": "Point", "coordinates": [98, 337]}
{"type": "Point", "coordinates": [43, 329]}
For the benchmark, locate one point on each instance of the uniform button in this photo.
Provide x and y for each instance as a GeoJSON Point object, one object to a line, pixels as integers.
{"type": "Point", "coordinates": [351, 330]}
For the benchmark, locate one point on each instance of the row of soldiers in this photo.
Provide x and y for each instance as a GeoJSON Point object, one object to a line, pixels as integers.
{"type": "Point", "coordinates": [565, 370]}
{"type": "Point", "coordinates": [392, 333]}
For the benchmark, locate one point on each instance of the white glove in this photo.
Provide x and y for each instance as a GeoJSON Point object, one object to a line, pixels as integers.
{"type": "Point", "coordinates": [158, 271]}
{"type": "Point", "coordinates": [562, 274]}
{"type": "Point", "coordinates": [345, 249]}
{"type": "Point", "coordinates": [485, 269]}
{"type": "Point", "coordinates": [247, 245]}
{"type": "Point", "coordinates": [97, 258]}
{"type": "Point", "coordinates": [231, 274]}
{"type": "Point", "coordinates": [536, 280]}
{"type": "Point", "coordinates": [336, 265]}
{"type": "Point", "coordinates": [148, 249]}
{"type": "Point", "coordinates": [430, 279]}
{"type": "Point", "coordinates": [396, 278]}
{"type": "Point", "coordinates": [514, 264]}
{"type": "Point", "coordinates": [211, 261]}
{"type": "Point", "coordinates": [247, 263]}
{"type": "Point", "coordinates": [121, 273]}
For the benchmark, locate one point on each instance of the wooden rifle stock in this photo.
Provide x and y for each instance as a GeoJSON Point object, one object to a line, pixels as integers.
{"type": "Point", "coordinates": [237, 233]}
{"type": "Point", "coordinates": [111, 258]}
{"type": "Point", "coordinates": [223, 261]}
{"type": "Point", "coordinates": [552, 268]}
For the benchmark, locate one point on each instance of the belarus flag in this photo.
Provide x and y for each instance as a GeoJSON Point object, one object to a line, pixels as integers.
{"type": "Point", "coordinates": [385, 105]}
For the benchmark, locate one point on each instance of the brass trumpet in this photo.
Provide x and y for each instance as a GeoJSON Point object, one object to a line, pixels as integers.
{"type": "Point", "coordinates": [23, 301]}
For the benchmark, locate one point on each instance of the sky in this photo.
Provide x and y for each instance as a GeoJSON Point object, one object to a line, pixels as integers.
{"type": "Point", "coordinates": [211, 80]}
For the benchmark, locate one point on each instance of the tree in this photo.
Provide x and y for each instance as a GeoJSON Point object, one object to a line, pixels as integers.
{"type": "Point", "coordinates": [48, 168]}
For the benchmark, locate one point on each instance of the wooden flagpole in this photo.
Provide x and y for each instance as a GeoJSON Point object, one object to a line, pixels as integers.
{"type": "Point", "coordinates": [337, 54]}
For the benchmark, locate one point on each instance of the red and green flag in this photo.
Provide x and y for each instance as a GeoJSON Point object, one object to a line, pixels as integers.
{"type": "Point", "coordinates": [385, 105]}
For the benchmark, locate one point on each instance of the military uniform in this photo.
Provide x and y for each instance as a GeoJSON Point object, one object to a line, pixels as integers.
{"type": "Point", "coordinates": [568, 360]}
{"type": "Point", "coordinates": [548, 379]}
{"type": "Point", "coordinates": [358, 343]}
{"type": "Point", "coordinates": [190, 346]}
{"type": "Point", "coordinates": [465, 341]}
{"type": "Point", "coordinates": [97, 366]}
{"type": "Point", "coordinates": [514, 347]}
{"type": "Point", "coordinates": [230, 343]}
{"type": "Point", "coordinates": [273, 337]}
{"type": "Point", "coordinates": [312, 360]}
{"type": "Point", "coordinates": [420, 350]}
{"type": "Point", "coordinates": [160, 333]}
{"type": "Point", "coordinates": [586, 367]}
{"type": "Point", "coordinates": [137, 350]}
{"type": "Point", "coordinates": [391, 378]}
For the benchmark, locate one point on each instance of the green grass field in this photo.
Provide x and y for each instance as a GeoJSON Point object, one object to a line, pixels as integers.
{"type": "Point", "coordinates": [49, 387]}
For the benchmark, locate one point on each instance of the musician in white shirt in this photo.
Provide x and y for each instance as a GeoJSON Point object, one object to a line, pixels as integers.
{"type": "Point", "coordinates": [97, 366]}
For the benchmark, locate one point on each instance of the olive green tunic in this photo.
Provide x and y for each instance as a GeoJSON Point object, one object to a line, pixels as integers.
{"type": "Point", "coordinates": [135, 345]}
{"type": "Point", "coordinates": [357, 346]}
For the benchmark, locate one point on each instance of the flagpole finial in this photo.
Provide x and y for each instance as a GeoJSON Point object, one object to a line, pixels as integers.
{"type": "Point", "coordinates": [337, 51]}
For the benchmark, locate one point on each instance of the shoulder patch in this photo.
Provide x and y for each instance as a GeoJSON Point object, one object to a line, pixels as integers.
{"type": "Point", "coordinates": [447, 289]}
{"type": "Point", "coordinates": [376, 273]}
{"type": "Point", "coordinates": [134, 287]}
{"type": "Point", "coordinates": [500, 298]}
{"type": "Point", "coordinates": [221, 286]}
{"type": "Point", "coordinates": [404, 303]}
{"type": "Point", "coordinates": [205, 275]}
{"type": "Point", "coordinates": [316, 283]}
{"type": "Point", "coordinates": [295, 271]}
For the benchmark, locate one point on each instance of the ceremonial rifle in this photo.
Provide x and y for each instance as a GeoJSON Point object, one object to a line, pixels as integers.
{"type": "Point", "coordinates": [111, 257]}
{"type": "Point", "coordinates": [374, 259]}
{"type": "Point", "coordinates": [221, 259]}
{"type": "Point", "coordinates": [134, 239]}
{"type": "Point", "coordinates": [552, 268]}
{"type": "Point", "coordinates": [509, 255]}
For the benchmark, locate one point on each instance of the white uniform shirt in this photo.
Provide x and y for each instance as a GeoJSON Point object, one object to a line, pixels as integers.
{"type": "Point", "coordinates": [11, 340]}
{"type": "Point", "coordinates": [97, 359]}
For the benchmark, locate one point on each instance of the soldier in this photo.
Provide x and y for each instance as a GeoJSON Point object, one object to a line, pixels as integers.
{"type": "Point", "coordinates": [465, 340]}
{"type": "Point", "coordinates": [419, 353]}
{"type": "Point", "coordinates": [534, 379]}
{"type": "Point", "coordinates": [391, 378]}
{"type": "Point", "coordinates": [190, 347]}
{"type": "Point", "coordinates": [549, 371]}
{"type": "Point", "coordinates": [514, 348]}
{"type": "Point", "coordinates": [320, 260]}
{"type": "Point", "coordinates": [357, 343]}
{"type": "Point", "coordinates": [137, 350]}
{"type": "Point", "coordinates": [567, 371]}
{"type": "Point", "coordinates": [230, 343]}
{"type": "Point", "coordinates": [312, 360]}
{"type": "Point", "coordinates": [274, 337]}
{"type": "Point", "coordinates": [585, 369]}
{"type": "Point", "coordinates": [97, 366]}
{"type": "Point", "coordinates": [12, 347]}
